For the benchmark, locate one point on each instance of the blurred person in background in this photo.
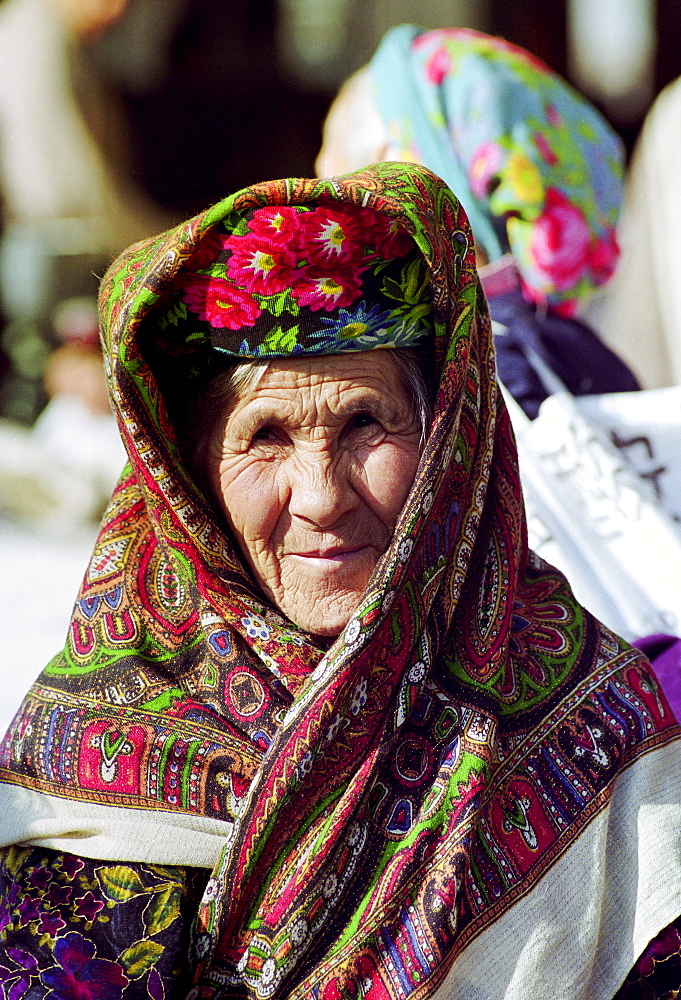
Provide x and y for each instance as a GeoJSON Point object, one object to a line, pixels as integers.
{"type": "Point", "coordinates": [69, 204]}
{"type": "Point", "coordinates": [538, 170]}
{"type": "Point", "coordinates": [59, 473]}
{"type": "Point", "coordinates": [640, 315]}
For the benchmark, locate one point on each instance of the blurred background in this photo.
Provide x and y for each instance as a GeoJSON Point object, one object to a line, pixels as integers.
{"type": "Point", "coordinates": [127, 115]}
{"type": "Point", "coordinates": [120, 117]}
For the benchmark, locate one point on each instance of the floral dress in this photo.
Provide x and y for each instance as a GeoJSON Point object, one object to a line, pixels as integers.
{"type": "Point", "coordinates": [76, 929]}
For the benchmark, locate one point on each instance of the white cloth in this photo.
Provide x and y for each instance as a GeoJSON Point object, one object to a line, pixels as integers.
{"type": "Point", "coordinates": [646, 428]}
{"type": "Point", "coordinates": [579, 930]}
{"type": "Point", "coordinates": [155, 836]}
{"type": "Point", "coordinates": [591, 515]}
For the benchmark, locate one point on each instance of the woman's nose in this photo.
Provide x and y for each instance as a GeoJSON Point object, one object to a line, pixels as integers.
{"type": "Point", "coordinates": [321, 493]}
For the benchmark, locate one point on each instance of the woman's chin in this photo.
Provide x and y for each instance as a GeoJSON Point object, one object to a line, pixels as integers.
{"type": "Point", "coordinates": [321, 595]}
{"type": "Point", "coordinates": [326, 618]}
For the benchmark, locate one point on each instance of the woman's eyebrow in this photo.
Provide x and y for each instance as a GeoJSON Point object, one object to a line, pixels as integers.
{"type": "Point", "coordinates": [251, 417]}
{"type": "Point", "coordinates": [373, 401]}
{"type": "Point", "coordinates": [259, 412]}
{"type": "Point", "coordinates": [381, 405]}
{"type": "Point", "coordinates": [263, 407]}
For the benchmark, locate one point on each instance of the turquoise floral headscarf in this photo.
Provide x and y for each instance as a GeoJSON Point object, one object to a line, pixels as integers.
{"type": "Point", "coordinates": [537, 169]}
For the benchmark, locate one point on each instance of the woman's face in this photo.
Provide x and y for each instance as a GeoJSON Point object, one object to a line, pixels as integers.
{"type": "Point", "coordinates": [312, 466]}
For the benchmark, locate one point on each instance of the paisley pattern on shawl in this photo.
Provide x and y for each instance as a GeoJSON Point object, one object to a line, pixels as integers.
{"type": "Point", "coordinates": [394, 794]}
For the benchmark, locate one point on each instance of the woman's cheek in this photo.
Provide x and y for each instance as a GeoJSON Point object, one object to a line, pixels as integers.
{"type": "Point", "coordinates": [250, 497]}
{"type": "Point", "coordinates": [388, 472]}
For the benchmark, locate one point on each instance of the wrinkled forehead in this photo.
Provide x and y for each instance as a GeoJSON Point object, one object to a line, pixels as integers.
{"type": "Point", "coordinates": [330, 386]}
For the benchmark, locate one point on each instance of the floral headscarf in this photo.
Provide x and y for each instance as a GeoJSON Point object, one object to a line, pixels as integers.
{"type": "Point", "coordinates": [538, 170]}
{"type": "Point", "coordinates": [288, 280]}
{"type": "Point", "coordinates": [412, 812]}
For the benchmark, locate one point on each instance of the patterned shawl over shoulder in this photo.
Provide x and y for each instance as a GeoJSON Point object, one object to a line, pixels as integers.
{"type": "Point", "coordinates": [473, 793]}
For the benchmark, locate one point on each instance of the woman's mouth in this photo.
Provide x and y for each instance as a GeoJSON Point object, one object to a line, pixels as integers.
{"type": "Point", "coordinates": [332, 556]}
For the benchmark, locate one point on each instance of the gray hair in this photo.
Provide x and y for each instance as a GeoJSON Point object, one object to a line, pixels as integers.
{"type": "Point", "coordinates": [217, 396]}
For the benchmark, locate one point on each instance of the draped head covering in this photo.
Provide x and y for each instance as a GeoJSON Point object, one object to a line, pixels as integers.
{"type": "Point", "coordinates": [538, 170]}
{"type": "Point", "coordinates": [473, 792]}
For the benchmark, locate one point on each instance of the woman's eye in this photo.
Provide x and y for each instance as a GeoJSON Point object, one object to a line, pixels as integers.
{"type": "Point", "coordinates": [363, 420]}
{"type": "Point", "coordinates": [263, 435]}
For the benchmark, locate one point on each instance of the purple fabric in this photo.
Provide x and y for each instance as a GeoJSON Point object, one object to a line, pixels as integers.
{"type": "Point", "coordinates": [664, 652]}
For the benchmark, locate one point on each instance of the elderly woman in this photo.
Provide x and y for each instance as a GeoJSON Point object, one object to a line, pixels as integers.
{"type": "Point", "coordinates": [323, 727]}
{"type": "Point", "coordinates": [537, 169]}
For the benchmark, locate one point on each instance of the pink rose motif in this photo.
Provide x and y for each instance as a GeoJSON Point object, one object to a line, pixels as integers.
{"type": "Point", "coordinates": [222, 305]}
{"type": "Point", "coordinates": [438, 66]}
{"type": "Point", "coordinates": [485, 163]}
{"type": "Point", "coordinates": [603, 258]}
{"type": "Point", "coordinates": [545, 151]}
{"type": "Point", "coordinates": [560, 242]}
{"type": "Point", "coordinates": [320, 288]}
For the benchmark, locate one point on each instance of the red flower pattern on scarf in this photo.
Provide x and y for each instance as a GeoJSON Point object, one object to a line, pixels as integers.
{"type": "Point", "coordinates": [330, 236]}
{"type": "Point", "coordinates": [219, 303]}
{"type": "Point", "coordinates": [319, 288]}
{"type": "Point", "coordinates": [261, 263]}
